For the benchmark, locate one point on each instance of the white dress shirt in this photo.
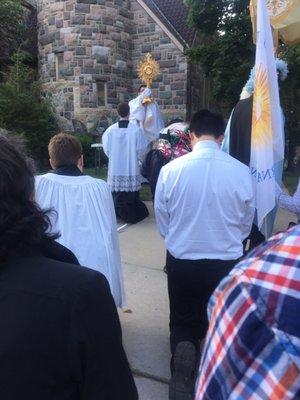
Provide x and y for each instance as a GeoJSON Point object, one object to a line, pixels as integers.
{"type": "Point", "coordinates": [124, 147]}
{"type": "Point", "coordinates": [290, 203]}
{"type": "Point", "coordinates": [204, 204]}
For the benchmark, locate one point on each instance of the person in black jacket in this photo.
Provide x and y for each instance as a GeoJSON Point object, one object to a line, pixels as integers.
{"type": "Point", "coordinates": [60, 333]}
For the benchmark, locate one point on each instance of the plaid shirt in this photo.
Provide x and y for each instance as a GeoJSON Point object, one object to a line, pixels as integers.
{"type": "Point", "coordinates": [252, 348]}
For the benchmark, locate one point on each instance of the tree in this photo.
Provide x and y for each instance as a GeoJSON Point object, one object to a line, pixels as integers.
{"type": "Point", "coordinates": [290, 100]}
{"type": "Point", "coordinates": [23, 111]}
{"type": "Point", "coordinates": [11, 28]}
{"type": "Point", "coordinates": [227, 54]}
{"type": "Point", "coordinates": [224, 49]}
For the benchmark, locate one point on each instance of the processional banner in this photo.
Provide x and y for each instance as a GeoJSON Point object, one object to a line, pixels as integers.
{"type": "Point", "coordinates": [267, 140]}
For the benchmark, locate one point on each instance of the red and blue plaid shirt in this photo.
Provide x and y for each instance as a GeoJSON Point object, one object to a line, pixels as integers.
{"type": "Point", "coordinates": [252, 348]}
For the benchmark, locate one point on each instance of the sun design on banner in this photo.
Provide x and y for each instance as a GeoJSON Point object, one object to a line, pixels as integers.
{"type": "Point", "coordinates": [261, 125]}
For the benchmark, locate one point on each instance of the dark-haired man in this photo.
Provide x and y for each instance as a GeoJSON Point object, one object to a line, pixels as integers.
{"type": "Point", "coordinates": [204, 210]}
{"type": "Point", "coordinates": [124, 144]}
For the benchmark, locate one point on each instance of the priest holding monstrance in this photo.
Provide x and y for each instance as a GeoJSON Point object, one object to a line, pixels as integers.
{"type": "Point", "coordinates": [144, 110]}
{"type": "Point", "coordinates": [126, 142]}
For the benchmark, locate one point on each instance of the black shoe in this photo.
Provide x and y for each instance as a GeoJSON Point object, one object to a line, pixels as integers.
{"type": "Point", "coordinates": [183, 378]}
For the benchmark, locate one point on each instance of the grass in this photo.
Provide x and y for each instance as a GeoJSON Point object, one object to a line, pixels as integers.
{"type": "Point", "coordinates": [145, 192]}
{"type": "Point", "coordinates": [290, 180]}
{"type": "Point", "coordinates": [92, 172]}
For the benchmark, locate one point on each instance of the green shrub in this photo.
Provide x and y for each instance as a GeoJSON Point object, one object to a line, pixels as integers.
{"type": "Point", "coordinates": [88, 152]}
{"type": "Point", "coordinates": [24, 112]}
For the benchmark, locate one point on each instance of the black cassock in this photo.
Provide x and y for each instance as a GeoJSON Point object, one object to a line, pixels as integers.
{"type": "Point", "coordinates": [240, 131]}
{"type": "Point", "coordinates": [129, 208]}
{"type": "Point", "coordinates": [240, 149]}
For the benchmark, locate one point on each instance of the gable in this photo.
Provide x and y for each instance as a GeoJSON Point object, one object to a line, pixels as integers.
{"type": "Point", "coordinates": [172, 15]}
{"type": "Point", "coordinates": [28, 3]}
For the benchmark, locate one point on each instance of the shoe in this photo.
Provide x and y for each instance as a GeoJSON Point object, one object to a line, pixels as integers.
{"type": "Point", "coordinates": [182, 383]}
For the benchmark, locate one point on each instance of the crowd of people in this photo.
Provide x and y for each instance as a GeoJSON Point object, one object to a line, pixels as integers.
{"type": "Point", "coordinates": [60, 331]}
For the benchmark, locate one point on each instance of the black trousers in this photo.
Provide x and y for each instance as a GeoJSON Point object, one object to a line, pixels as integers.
{"type": "Point", "coordinates": [255, 239]}
{"type": "Point", "coordinates": [190, 285]}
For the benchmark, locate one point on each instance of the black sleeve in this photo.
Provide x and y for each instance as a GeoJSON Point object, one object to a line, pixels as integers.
{"type": "Point", "coordinates": [56, 251]}
{"type": "Point", "coordinates": [106, 372]}
{"type": "Point", "coordinates": [240, 131]}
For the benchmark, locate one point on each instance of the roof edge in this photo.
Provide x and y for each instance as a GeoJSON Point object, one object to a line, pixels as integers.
{"type": "Point", "coordinates": [29, 3]}
{"type": "Point", "coordinates": [180, 45]}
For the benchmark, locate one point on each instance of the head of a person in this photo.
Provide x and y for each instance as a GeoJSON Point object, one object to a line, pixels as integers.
{"type": "Point", "coordinates": [141, 89]}
{"type": "Point", "coordinates": [22, 224]}
{"type": "Point", "coordinates": [123, 110]}
{"type": "Point", "coordinates": [174, 121]}
{"type": "Point", "coordinates": [206, 125]}
{"type": "Point", "coordinates": [65, 150]}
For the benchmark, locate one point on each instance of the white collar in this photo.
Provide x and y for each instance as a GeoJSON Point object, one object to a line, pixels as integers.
{"type": "Point", "coordinates": [206, 144]}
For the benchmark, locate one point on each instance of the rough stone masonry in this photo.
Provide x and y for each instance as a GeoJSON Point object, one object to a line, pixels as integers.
{"type": "Point", "coordinates": [88, 51]}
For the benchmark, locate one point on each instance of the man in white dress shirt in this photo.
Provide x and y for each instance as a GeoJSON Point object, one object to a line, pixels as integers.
{"type": "Point", "coordinates": [124, 144]}
{"type": "Point", "coordinates": [85, 215]}
{"type": "Point", "coordinates": [204, 210]}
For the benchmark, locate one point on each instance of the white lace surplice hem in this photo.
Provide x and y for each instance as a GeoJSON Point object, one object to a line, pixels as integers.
{"type": "Point", "coordinates": [119, 183]}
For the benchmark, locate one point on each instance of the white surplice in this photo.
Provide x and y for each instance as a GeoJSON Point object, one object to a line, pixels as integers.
{"type": "Point", "coordinates": [124, 147]}
{"type": "Point", "coordinates": [85, 218]}
{"type": "Point", "coordinates": [148, 117]}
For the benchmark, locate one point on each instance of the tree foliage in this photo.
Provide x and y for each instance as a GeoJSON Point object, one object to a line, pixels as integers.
{"type": "Point", "coordinates": [224, 48]}
{"type": "Point", "coordinates": [227, 54]}
{"type": "Point", "coordinates": [11, 28]}
{"type": "Point", "coordinates": [290, 99]}
{"type": "Point", "coordinates": [23, 111]}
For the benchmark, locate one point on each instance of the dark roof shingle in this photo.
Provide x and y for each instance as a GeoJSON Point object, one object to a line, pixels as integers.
{"type": "Point", "coordinates": [173, 14]}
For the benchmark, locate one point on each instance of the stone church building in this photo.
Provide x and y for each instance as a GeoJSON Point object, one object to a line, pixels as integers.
{"type": "Point", "coordinates": [88, 51]}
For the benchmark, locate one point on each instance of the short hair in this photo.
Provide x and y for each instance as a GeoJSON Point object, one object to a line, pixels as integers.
{"type": "Point", "coordinates": [123, 110]}
{"type": "Point", "coordinates": [175, 121]}
{"type": "Point", "coordinates": [64, 149]}
{"type": "Point", "coordinates": [141, 86]}
{"type": "Point", "coordinates": [205, 122]}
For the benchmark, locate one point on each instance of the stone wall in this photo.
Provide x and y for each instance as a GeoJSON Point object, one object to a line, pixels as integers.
{"type": "Point", "coordinates": [170, 89]}
{"type": "Point", "coordinates": [104, 40]}
{"type": "Point", "coordinates": [94, 38]}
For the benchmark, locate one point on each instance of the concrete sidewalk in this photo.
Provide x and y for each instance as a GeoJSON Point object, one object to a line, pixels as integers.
{"type": "Point", "coordinates": [145, 326]}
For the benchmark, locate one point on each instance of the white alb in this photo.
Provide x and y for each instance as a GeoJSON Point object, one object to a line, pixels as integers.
{"type": "Point", "coordinates": [85, 217]}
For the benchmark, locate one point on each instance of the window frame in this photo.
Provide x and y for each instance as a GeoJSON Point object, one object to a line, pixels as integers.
{"type": "Point", "coordinates": [104, 82]}
{"type": "Point", "coordinates": [57, 65]}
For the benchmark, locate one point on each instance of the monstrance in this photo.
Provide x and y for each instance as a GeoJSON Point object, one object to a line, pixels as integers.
{"type": "Point", "coordinates": [148, 70]}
